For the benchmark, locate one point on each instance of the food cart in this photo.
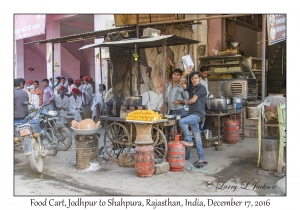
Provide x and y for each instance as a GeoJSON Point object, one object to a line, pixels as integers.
{"type": "Point", "coordinates": [120, 134]}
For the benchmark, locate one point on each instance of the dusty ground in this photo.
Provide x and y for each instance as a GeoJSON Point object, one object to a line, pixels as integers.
{"type": "Point", "coordinates": [232, 171]}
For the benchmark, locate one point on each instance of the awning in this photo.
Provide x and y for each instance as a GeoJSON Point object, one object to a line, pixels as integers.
{"type": "Point", "coordinates": [170, 40]}
{"type": "Point", "coordinates": [81, 36]}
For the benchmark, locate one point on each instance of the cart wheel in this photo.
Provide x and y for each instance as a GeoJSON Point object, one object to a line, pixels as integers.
{"type": "Point", "coordinates": [160, 145]}
{"type": "Point", "coordinates": [116, 140]}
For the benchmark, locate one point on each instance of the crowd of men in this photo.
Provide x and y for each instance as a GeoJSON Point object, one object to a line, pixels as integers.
{"type": "Point", "coordinates": [67, 96]}
{"type": "Point", "coordinates": [76, 98]}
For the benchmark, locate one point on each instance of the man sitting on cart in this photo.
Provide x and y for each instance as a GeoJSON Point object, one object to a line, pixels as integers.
{"type": "Point", "coordinates": [176, 96]}
{"type": "Point", "coordinates": [196, 102]}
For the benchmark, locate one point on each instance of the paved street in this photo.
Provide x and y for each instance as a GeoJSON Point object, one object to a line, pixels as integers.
{"type": "Point", "coordinates": [29, 183]}
{"type": "Point", "coordinates": [228, 171]}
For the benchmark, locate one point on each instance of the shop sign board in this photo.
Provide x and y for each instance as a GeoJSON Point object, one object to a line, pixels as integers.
{"type": "Point", "coordinates": [130, 19]}
{"type": "Point", "coordinates": [276, 26]}
{"type": "Point", "coordinates": [29, 25]}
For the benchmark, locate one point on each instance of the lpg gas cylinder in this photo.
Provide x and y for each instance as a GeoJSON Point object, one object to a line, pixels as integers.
{"type": "Point", "coordinates": [231, 131]}
{"type": "Point", "coordinates": [176, 155]}
{"type": "Point", "coordinates": [144, 160]}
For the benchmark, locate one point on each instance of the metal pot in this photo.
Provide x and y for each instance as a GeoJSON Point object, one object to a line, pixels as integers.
{"type": "Point", "coordinates": [228, 100]}
{"type": "Point", "coordinates": [133, 101]}
{"type": "Point", "coordinates": [207, 134]}
{"type": "Point", "coordinates": [216, 104]}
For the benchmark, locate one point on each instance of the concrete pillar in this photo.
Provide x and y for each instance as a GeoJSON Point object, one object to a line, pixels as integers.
{"type": "Point", "coordinates": [19, 53]}
{"type": "Point", "coordinates": [100, 24]}
{"type": "Point", "coordinates": [53, 31]}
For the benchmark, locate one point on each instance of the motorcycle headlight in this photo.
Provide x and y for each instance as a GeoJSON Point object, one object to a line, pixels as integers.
{"type": "Point", "coordinates": [52, 113]}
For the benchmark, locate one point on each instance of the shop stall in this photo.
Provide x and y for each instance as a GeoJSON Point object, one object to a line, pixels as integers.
{"type": "Point", "coordinates": [120, 133]}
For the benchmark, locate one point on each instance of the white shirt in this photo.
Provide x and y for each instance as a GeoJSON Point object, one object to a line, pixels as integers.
{"type": "Point", "coordinates": [75, 103]}
{"type": "Point", "coordinates": [35, 100]}
{"type": "Point", "coordinates": [69, 90]}
{"type": "Point", "coordinates": [87, 89]}
{"type": "Point", "coordinates": [205, 83]}
{"type": "Point", "coordinates": [62, 103]}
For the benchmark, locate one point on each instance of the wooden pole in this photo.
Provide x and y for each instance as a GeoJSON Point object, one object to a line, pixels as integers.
{"type": "Point", "coordinates": [100, 61]}
{"type": "Point", "coordinates": [164, 75]}
{"type": "Point", "coordinates": [130, 72]}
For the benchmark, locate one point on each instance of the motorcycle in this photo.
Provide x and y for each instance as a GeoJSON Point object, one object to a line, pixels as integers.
{"type": "Point", "coordinates": [40, 135]}
{"type": "Point", "coordinates": [28, 133]}
{"type": "Point", "coordinates": [58, 135]}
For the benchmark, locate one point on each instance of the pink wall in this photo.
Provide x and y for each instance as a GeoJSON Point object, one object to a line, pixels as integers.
{"type": "Point", "coordinates": [88, 61]}
{"type": "Point", "coordinates": [19, 47]}
{"type": "Point", "coordinates": [31, 58]}
{"type": "Point", "coordinates": [70, 66]}
{"type": "Point", "coordinates": [73, 47]}
{"type": "Point", "coordinates": [86, 58]}
{"type": "Point", "coordinates": [214, 34]}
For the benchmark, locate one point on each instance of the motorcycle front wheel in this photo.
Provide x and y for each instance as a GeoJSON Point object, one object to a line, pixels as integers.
{"type": "Point", "coordinates": [35, 158]}
{"type": "Point", "coordinates": [64, 139]}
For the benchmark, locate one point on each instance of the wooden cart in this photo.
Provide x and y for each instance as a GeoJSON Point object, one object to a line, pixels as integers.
{"type": "Point", "coordinates": [120, 136]}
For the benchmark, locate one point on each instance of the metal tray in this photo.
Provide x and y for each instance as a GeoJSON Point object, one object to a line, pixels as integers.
{"type": "Point", "coordinates": [86, 132]}
{"type": "Point", "coordinates": [170, 116]}
{"type": "Point", "coordinates": [139, 121]}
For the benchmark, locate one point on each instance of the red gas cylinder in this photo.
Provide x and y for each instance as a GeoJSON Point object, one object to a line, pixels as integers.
{"type": "Point", "coordinates": [144, 160]}
{"type": "Point", "coordinates": [231, 131]}
{"type": "Point", "coordinates": [176, 155]}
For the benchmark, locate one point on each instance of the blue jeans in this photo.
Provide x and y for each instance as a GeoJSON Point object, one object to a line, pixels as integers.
{"type": "Point", "coordinates": [181, 112]}
{"type": "Point", "coordinates": [193, 122]}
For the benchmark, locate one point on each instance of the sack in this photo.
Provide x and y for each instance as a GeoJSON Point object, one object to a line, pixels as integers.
{"type": "Point", "coordinates": [126, 159]}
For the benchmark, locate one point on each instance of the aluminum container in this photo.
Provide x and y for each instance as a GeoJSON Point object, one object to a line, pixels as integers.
{"type": "Point", "coordinates": [151, 32]}
{"type": "Point", "coordinates": [228, 99]}
{"type": "Point", "coordinates": [216, 104]}
{"type": "Point", "coordinates": [133, 101]}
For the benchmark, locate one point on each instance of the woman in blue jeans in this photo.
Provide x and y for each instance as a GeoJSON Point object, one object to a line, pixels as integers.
{"type": "Point", "coordinates": [196, 102]}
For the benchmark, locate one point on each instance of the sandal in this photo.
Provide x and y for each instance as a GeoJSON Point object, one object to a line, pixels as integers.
{"type": "Point", "coordinates": [187, 144]}
{"type": "Point", "coordinates": [199, 165]}
{"type": "Point", "coordinates": [202, 163]}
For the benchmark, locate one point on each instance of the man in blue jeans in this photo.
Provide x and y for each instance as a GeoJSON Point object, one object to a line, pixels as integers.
{"type": "Point", "coordinates": [196, 102]}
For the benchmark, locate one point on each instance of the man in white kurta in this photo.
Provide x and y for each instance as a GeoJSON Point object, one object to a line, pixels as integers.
{"type": "Point", "coordinates": [61, 104]}
{"type": "Point", "coordinates": [75, 104]}
{"type": "Point", "coordinates": [98, 100]}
